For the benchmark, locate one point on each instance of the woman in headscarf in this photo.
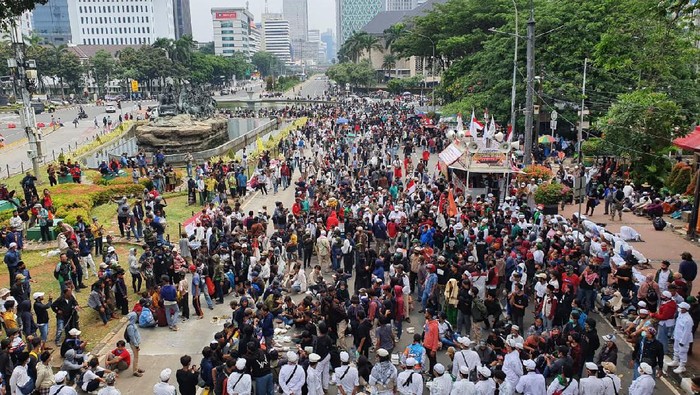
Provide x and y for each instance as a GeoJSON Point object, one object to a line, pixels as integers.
{"type": "Point", "coordinates": [348, 256]}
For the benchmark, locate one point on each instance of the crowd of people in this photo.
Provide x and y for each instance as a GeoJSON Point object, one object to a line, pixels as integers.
{"type": "Point", "coordinates": [504, 298]}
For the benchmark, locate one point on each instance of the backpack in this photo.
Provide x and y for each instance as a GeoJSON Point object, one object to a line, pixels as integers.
{"type": "Point", "coordinates": [479, 312]}
{"type": "Point", "coordinates": [651, 295]}
{"type": "Point", "coordinates": [659, 223]}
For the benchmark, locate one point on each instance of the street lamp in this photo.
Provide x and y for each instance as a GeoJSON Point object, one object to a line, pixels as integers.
{"type": "Point", "coordinates": [432, 65]}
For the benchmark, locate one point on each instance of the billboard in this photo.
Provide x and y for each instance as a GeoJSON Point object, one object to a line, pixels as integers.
{"type": "Point", "coordinates": [226, 15]}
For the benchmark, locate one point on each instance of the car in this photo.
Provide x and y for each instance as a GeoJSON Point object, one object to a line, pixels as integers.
{"type": "Point", "coordinates": [109, 108]}
{"type": "Point", "coordinates": [225, 91]}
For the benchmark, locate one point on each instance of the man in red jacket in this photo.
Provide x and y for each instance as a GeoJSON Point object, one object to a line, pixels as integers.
{"type": "Point", "coordinates": [431, 341]}
{"type": "Point", "coordinates": [665, 315]}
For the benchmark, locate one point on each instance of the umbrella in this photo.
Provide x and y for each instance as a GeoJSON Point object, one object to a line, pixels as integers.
{"type": "Point", "coordinates": [341, 121]}
{"type": "Point", "coordinates": [11, 125]}
{"type": "Point", "coordinates": [41, 125]}
{"type": "Point", "coordinates": [546, 139]}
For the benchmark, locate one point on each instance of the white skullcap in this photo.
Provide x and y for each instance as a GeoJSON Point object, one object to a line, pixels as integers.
{"type": "Point", "coordinates": [464, 369]}
{"type": "Point", "coordinates": [240, 363]}
{"type": "Point", "coordinates": [292, 356]}
{"type": "Point", "coordinates": [484, 371]}
{"type": "Point", "coordinates": [646, 368]}
{"type": "Point", "coordinates": [591, 366]}
{"type": "Point", "coordinates": [344, 356]}
{"type": "Point", "coordinates": [529, 364]}
{"type": "Point", "coordinates": [439, 368]}
{"type": "Point", "coordinates": [411, 361]}
{"type": "Point", "coordinates": [165, 374]}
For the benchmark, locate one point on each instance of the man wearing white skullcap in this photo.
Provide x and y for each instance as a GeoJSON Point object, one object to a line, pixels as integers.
{"type": "Point", "coordinates": [512, 365]}
{"type": "Point", "coordinates": [486, 384]}
{"type": "Point", "coordinates": [442, 383]}
{"type": "Point", "coordinates": [463, 386]}
{"type": "Point", "coordinates": [466, 357]}
{"type": "Point", "coordinates": [163, 388]}
{"type": "Point", "coordinates": [410, 381]}
{"type": "Point", "coordinates": [591, 385]}
{"type": "Point", "coordinates": [291, 377]}
{"type": "Point", "coordinates": [346, 377]}
{"type": "Point", "coordinates": [645, 383]}
{"type": "Point", "coordinates": [239, 382]}
{"type": "Point", "coordinates": [60, 388]}
{"type": "Point", "coordinates": [682, 336]}
{"type": "Point", "coordinates": [382, 378]}
{"type": "Point", "coordinates": [532, 383]}
{"type": "Point", "coordinates": [323, 249]}
{"type": "Point", "coordinates": [313, 376]}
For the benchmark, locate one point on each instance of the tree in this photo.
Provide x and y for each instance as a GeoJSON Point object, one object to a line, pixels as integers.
{"type": "Point", "coordinates": [71, 71]}
{"type": "Point", "coordinates": [266, 63]}
{"type": "Point", "coordinates": [13, 8]}
{"type": "Point", "coordinates": [641, 125]}
{"type": "Point", "coordinates": [355, 74]}
{"type": "Point", "coordinates": [369, 42]}
{"type": "Point", "coordinates": [102, 66]}
{"type": "Point", "coordinates": [207, 49]}
{"type": "Point", "coordinates": [389, 63]}
{"type": "Point", "coordinates": [352, 48]}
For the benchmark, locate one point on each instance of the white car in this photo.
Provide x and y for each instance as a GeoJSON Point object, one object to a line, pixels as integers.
{"type": "Point", "coordinates": [110, 108]}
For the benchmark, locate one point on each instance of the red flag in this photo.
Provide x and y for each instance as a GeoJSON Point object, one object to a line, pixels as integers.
{"type": "Point", "coordinates": [452, 209]}
{"type": "Point", "coordinates": [410, 187]}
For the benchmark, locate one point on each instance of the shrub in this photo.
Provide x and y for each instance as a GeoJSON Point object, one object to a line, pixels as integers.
{"type": "Point", "coordinates": [536, 172]}
{"type": "Point", "coordinates": [551, 193]}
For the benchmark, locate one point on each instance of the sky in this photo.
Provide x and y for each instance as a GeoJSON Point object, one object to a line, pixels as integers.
{"type": "Point", "coordinates": [321, 14]}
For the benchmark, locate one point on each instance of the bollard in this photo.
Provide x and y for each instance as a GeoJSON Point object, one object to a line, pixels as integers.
{"type": "Point", "coordinates": [53, 152]}
{"type": "Point", "coordinates": [21, 164]}
{"type": "Point", "coordinates": [8, 171]}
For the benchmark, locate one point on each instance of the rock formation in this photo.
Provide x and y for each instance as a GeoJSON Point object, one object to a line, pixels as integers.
{"type": "Point", "coordinates": [181, 133]}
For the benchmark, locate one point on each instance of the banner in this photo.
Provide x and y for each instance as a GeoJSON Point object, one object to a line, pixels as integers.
{"type": "Point", "coordinates": [190, 224]}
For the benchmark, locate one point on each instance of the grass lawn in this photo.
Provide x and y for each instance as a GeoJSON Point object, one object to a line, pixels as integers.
{"type": "Point", "coordinates": [41, 266]}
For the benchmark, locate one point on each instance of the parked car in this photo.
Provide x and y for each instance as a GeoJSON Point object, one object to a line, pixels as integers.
{"type": "Point", "coordinates": [110, 108]}
{"type": "Point", "coordinates": [225, 91]}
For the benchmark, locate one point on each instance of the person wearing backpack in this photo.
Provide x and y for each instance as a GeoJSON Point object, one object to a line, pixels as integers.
{"type": "Point", "coordinates": [221, 374]}
{"type": "Point", "coordinates": [649, 292]}
{"type": "Point", "coordinates": [133, 337]}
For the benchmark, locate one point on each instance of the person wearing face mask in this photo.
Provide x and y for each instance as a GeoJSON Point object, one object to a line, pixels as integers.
{"type": "Point", "coordinates": [682, 335]}
{"type": "Point", "coordinates": [648, 350]}
{"type": "Point", "coordinates": [644, 382]}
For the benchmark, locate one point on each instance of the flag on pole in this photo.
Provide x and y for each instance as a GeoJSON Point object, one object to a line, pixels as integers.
{"type": "Point", "coordinates": [474, 125]}
{"type": "Point", "coordinates": [452, 206]}
{"type": "Point", "coordinates": [490, 132]}
{"type": "Point", "coordinates": [509, 137]}
{"type": "Point", "coordinates": [259, 142]}
{"type": "Point", "coordinates": [410, 187]}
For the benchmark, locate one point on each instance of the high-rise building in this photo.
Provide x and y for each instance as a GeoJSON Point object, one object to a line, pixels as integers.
{"type": "Point", "coordinates": [232, 31]}
{"type": "Point", "coordinates": [183, 18]}
{"type": "Point", "coordinates": [353, 15]}
{"type": "Point", "coordinates": [256, 39]}
{"type": "Point", "coordinates": [297, 13]}
{"type": "Point", "coordinates": [276, 38]}
{"type": "Point", "coordinates": [329, 41]}
{"type": "Point", "coordinates": [401, 5]}
{"type": "Point", "coordinates": [106, 22]}
{"type": "Point", "coordinates": [50, 22]}
{"type": "Point", "coordinates": [311, 48]}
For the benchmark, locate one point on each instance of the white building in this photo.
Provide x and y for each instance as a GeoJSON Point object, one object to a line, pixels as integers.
{"type": "Point", "coordinates": [120, 22]}
{"type": "Point", "coordinates": [401, 5]}
{"type": "Point", "coordinates": [232, 31]}
{"type": "Point", "coordinates": [276, 38]}
{"type": "Point", "coordinates": [256, 37]}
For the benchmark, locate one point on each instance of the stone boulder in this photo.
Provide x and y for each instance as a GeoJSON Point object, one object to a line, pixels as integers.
{"type": "Point", "coordinates": [181, 133]}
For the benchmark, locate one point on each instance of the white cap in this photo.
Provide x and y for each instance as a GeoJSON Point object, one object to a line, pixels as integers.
{"type": "Point", "coordinates": [517, 328]}
{"type": "Point", "coordinates": [344, 356]}
{"type": "Point", "coordinates": [313, 358]}
{"type": "Point", "coordinates": [308, 349]}
{"type": "Point", "coordinates": [411, 361]}
{"type": "Point", "coordinates": [292, 356]}
{"type": "Point", "coordinates": [60, 376]}
{"type": "Point", "coordinates": [464, 369]}
{"type": "Point", "coordinates": [13, 244]}
{"type": "Point", "coordinates": [646, 368]}
{"type": "Point", "coordinates": [529, 364]}
{"type": "Point", "coordinates": [519, 346]}
{"type": "Point", "coordinates": [591, 366]}
{"type": "Point", "coordinates": [684, 305]}
{"type": "Point", "coordinates": [165, 374]}
{"type": "Point", "coordinates": [439, 368]}
{"type": "Point", "coordinates": [240, 363]}
{"type": "Point", "coordinates": [37, 295]}
{"type": "Point", "coordinates": [110, 249]}
{"type": "Point", "coordinates": [74, 332]}
{"type": "Point", "coordinates": [484, 371]}
{"type": "Point", "coordinates": [465, 341]}
{"type": "Point", "coordinates": [643, 311]}
{"type": "Point", "coordinates": [609, 338]}
{"type": "Point", "coordinates": [382, 352]}
{"type": "Point", "coordinates": [666, 294]}
{"type": "Point", "coordinates": [642, 304]}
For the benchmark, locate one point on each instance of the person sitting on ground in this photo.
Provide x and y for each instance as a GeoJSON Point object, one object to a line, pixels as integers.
{"type": "Point", "coordinates": [146, 318]}
{"type": "Point", "coordinates": [119, 359]}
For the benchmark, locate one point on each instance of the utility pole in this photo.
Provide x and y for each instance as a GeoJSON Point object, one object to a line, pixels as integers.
{"type": "Point", "coordinates": [529, 107]}
{"type": "Point", "coordinates": [580, 180]}
{"type": "Point", "coordinates": [515, 74]}
{"type": "Point", "coordinates": [27, 117]}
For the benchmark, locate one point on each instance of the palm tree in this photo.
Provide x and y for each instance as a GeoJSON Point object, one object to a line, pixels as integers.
{"type": "Point", "coordinates": [393, 33]}
{"type": "Point", "coordinates": [369, 42]}
{"type": "Point", "coordinates": [389, 63]}
{"type": "Point", "coordinates": [352, 47]}
{"type": "Point", "coordinates": [166, 44]}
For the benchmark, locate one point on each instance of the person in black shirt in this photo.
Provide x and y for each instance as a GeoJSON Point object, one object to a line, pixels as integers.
{"type": "Point", "coordinates": [187, 377]}
{"type": "Point", "coordinates": [41, 310]}
{"type": "Point", "coordinates": [363, 340]}
{"type": "Point", "coordinates": [518, 304]}
{"type": "Point", "coordinates": [624, 279]}
{"type": "Point", "coordinates": [258, 365]}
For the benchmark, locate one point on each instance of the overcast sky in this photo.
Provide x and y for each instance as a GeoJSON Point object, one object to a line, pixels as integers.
{"type": "Point", "coordinates": [321, 14]}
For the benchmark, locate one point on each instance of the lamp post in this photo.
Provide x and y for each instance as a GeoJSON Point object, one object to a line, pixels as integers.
{"type": "Point", "coordinates": [432, 65]}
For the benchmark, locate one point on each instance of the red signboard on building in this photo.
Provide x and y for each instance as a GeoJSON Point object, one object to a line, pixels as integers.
{"type": "Point", "coordinates": [226, 15]}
